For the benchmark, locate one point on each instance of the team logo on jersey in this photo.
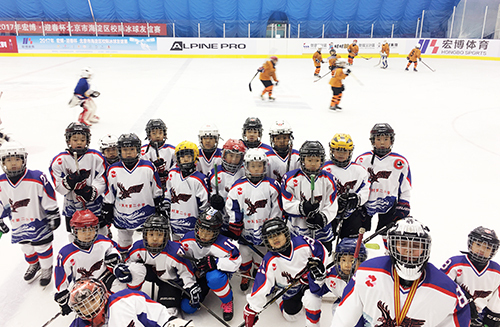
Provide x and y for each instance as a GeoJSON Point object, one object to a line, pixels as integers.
{"type": "Point", "coordinates": [478, 294]}
{"type": "Point", "coordinates": [126, 192]}
{"type": "Point", "coordinates": [317, 198]}
{"type": "Point", "coordinates": [286, 274]}
{"type": "Point", "coordinates": [240, 191]}
{"type": "Point", "coordinates": [88, 273]}
{"type": "Point", "coordinates": [344, 188]}
{"type": "Point", "coordinates": [18, 204]}
{"type": "Point", "coordinates": [384, 174]}
{"type": "Point", "coordinates": [219, 180]}
{"type": "Point", "coordinates": [295, 183]}
{"type": "Point", "coordinates": [387, 321]}
{"type": "Point", "coordinates": [333, 284]}
{"type": "Point", "coordinates": [370, 281]}
{"type": "Point", "coordinates": [252, 208]}
{"type": "Point", "coordinates": [399, 164]}
{"type": "Point", "coordinates": [273, 266]}
{"type": "Point", "coordinates": [459, 272]}
{"type": "Point", "coordinates": [113, 174]}
{"type": "Point", "coordinates": [182, 197]}
{"type": "Point", "coordinates": [278, 176]}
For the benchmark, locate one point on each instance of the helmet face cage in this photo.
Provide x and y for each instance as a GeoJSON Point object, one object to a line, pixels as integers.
{"type": "Point", "coordinates": [272, 228]}
{"type": "Point", "coordinates": [12, 149]}
{"type": "Point", "coordinates": [77, 128]}
{"type": "Point", "coordinates": [187, 148]}
{"type": "Point", "coordinates": [209, 131]}
{"type": "Point", "coordinates": [341, 142]}
{"type": "Point", "coordinates": [255, 155]}
{"type": "Point", "coordinates": [210, 220]}
{"type": "Point", "coordinates": [156, 124]}
{"type": "Point", "coordinates": [252, 123]}
{"type": "Point", "coordinates": [348, 247]}
{"type": "Point", "coordinates": [88, 298]}
{"type": "Point", "coordinates": [129, 141]}
{"type": "Point", "coordinates": [155, 223]}
{"type": "Point", "coordinates": [235, 147]}
{"type": "Point", "coordinates": [311, 149]}
{"type": "Point", "coordinates": [281, 128]}
{"type": "Point", "coordinates": [383, 129]}
{"type": "Point", "coordinates": [485, 238]}
{"type": "Point", "coordinates": [108, 141]}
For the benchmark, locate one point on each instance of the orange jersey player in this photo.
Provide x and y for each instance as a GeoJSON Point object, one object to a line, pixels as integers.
{"type": "Point", "coordinates": [336, 82]}
{"type": "Point", "coordinates": [332, 60]}
{"type": "Point", "coordinates": [353, 50]}
{"type": "Point", "coordinates": [317, 60]}
{"type": "Point", "coordinates": [413, 56]}
{"type": "Point", "coordinates": [268, 71]}
{"type": "Point", "coordinates": [384, 53]}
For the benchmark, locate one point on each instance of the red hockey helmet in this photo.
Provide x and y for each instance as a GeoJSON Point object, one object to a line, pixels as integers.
{"type": "Point", "coordinates": [273, 58]}
{"type": "Point", "coordinates": [83, 220]}
{"type": "Point", "coordinates": [88, 298]}
{"type": "Point", "coordinates": [236, 147]}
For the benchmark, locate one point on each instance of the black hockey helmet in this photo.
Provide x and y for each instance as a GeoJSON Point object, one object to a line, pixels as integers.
{"type": "Point", "coordinates": [311, 149]}
{"type": "Point", "coordinates": [274, 227]}
{"type": "Point", "coordinates": [482, 236]}
{"type": "Point", "coordinates": [126, 141]}
{"type": "Point", "coordinates": [159, 223]}
{"type": "Point", "coordinates": [348, 247]}
{"type": "Point", "coordinates": [210, 220]}
{"type": "Point", "coordinates": [77, 128]}
{"type": "Point", "coordinates": [156, 124]}
{"type": "Point", "coordinates": [382, 129]}
{"type": "Point", "coordinates": [252, 123]}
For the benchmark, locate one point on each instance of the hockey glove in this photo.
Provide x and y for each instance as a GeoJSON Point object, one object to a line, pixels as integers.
{"type": "Point", "coordinates": [107, 212]}
{"type": "Point", "coordinates": [111, 260]}
{"type": "Point", "coordinates": [62, 298]}
{"type": "Point", "coordinates": [348, 50]}
{"type": "Point", "coordinates": [194, 295]}
{"type": "Point", "coordinates": [72, 179]}
{"type": "Point", "coordinates": [86, 194]}
{"type": "Point", "coordinates": [490, 319]}
{"type": "Point", "coordinates": [330, 67]}
{"type": "Point", "coordinates": [317, 268]}
{"type": "Point", "coordinates": [348, 71]}
{"type": "Point", "coordinates": [407, 58]}
{"type": "Point", "coordinates": [207, 264]}
{"type": "Point", "coordinates": [162, 207]}
{"type": "Point", "coordinates": [122, 272]}
{"type": "Point", "coordinates": [306, 207]}
{"type": "Point", "coordinates": [217, 202]}
{"type": "Point", "coordinates": [250, 316]}
{"type": "Point", "coordinates": [316, 221]}
{"type": "Point", "coordinates": [4, 228]}
{"type": "Point", "coordinates": [276, 84]}
{"type": "Point", "coordinates": [173, 321]}
{"type": "Point", "coordinates": [95, 94]}
{"type": "Point", "coordinates": [54, 219]}
{"type": "Point", "coordinates": [402, 210]}
{"type": "Point", "coordinates": [347, 201]}
{"type": "Point", "coordinates": [160, 165]}
{"type": "Point", "coordinates": [260, 69]}
{"type": "Point", "coordinates": [236, 228]}
{"type": "Point", "coordinates": [419, 59]}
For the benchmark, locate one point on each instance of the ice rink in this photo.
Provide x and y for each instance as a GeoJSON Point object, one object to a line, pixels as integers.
{"type": "Point", "coordinates": [447, 125]}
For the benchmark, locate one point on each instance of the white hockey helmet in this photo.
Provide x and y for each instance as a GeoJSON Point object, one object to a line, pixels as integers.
{"type": "Point", "coordinates": [319, 48]}
{"type": "Point", "coordinates": [209, 130]}
{"type": "Point", "coordinates": [255, 154]}
{"type": "Point", "coordinates": [108, 141]}
{"type": "Point", "coordinates": [417, 45]}
{"type": "Point", "coordinates": [13, 149]}
{"type": "Point", "coordinates": [86, 72]}
{"type": "Point", "coordinates": [409, 244]}
{"type": "Point", "coordinates": [341, 63]}
{"type": "Point", "coordinates": [280, 127]}
{"type": "Point", "coordinates": [385, 41]}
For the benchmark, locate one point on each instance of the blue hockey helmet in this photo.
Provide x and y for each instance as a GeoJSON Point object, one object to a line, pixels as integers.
{"type": "Point", "coordinates": [347, 247]}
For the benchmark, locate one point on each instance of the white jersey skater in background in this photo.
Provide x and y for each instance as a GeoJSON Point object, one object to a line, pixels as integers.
{"type": "Point", "coordinates": [210, 154]}
{"type": "Point", "coordinates": [83, 96]}
{"type": "Point", "coordinates": [282, 158]}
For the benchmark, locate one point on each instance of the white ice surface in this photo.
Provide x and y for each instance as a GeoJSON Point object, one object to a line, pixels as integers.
{"type": "Point", "coordinates": [447, 125]}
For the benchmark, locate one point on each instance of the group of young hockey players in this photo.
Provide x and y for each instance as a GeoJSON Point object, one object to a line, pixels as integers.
{"type": "Point", "coordinates": [287, 224]}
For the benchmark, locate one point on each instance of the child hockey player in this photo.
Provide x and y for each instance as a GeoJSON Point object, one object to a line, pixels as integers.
{"type": "Point", "coordinates": [333, 280]}
{"type": "Point", "coordinates": [403, 288]}
{"type": "Point", "coordinates": [413, 56]}
{"type": "Point", "coordinates": [317, 60]}
{"type": "Point", "coordinates": [332, 60]}
{"type": "Point", "coordinates": [91, 255]}
{"type": "Point", "coordinates": [79, 174]}
{"type": "Point", "coordinates": [353, 50]}
{"type": "Point", "coordinates": [282, 158]}
{"type": "Point", "coordinates": [288, 259]}
{"type": "Point", "coordinates": [352, 184]}
{"type": "Point", "coordinates": [210, 154]}
{"type": "Point", "coordinates": [109, 148]}
{"type": "Point", "coordinates": [338, 75]}
{"type": "Point", "coordinates": [95, 307]}
{"type": "Point", "coordinates": [389, 177]}
{"type": "Point", "coordinates": [187, 191]}
{"type": "Point", "coordinates": [134, 191]}
{"type": "Point", "coordinates": [309, 196]}
{"type": "Point", "coordinates": [28, 200]}
{"type": "Point", "coordinates": [215, 256]}
{"type": "Point", "coordinates": [268, 71]}
{"type": "Point", "coordinates": [82, 97]}
{"type": "Point", "coordinates": [252, 134]}
{"type": "Point", "coordinates": [478, 276]}
{"type": "Point", "coordinates": [251, 201]}
{"type": "Point", "coordinates": [164, 266]}
{"type": "Point", "coordinates": [384, 54]}
{"type": "Point", "coordinates": [162, 155]}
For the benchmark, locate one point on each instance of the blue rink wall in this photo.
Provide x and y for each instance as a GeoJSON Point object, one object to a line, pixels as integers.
{"type": "Point", "coordinates": [238, 47]}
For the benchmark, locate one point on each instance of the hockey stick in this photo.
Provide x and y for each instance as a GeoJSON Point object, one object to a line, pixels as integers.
{"type": "Point", "coordinates": [356, 252]}
{"type": "Point", "coordinates": [365, 57]}
{"type": "Point", "coordinates": [379, 61]}
{"type": "Point", "coordinates": [289, 155]}
{"type": "Point", "coordinates": [356, 79]}
{"type": "Point", "coordinates": [250, 84]}
{"type": "Point", "coordinates": [432, 70]}
{"type": "Point", "coordinates": [313, 201]}
{"type": "Point", "coordinates": [322, 76]}
{"type": "Point", "coordinates": [52, 319]}
{"type": "Point", "coordinates": [77, 164]}
{"type": "Point", "coordinates": [155, 146]}
{"type": "Point", "coordinates": [216, 179]}
{"type": "Point", "coordinates": [380, 231]}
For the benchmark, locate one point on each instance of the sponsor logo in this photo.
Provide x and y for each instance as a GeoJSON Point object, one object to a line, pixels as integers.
{"type": "Point", "coordinates": [181, 46]}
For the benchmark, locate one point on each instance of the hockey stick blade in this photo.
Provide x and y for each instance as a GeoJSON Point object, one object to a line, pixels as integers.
{"type": "Point", "coordinates": [250, 84]}
{"type": "Point", "coordinates": [373, 246]}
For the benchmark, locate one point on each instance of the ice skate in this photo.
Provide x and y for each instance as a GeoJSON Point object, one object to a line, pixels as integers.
{"type": "Point", "coordinates": [333, 108]}
{"type": "Point", "coordinates": [227, 310]}
{"type": "Point", "coordinates": [406, 68]}
{"type": "Point", "coordinates": [338, 108]}
{"type": "Point", "coordinates": [415, 70]}
{"type": "Point", "coordinates": [271, 98]}
{"type": "Point", "coordinates": [245, 282]}
{"type": "Point", "coordinates": [46, 276]}
{"type": "Point", "coordinates": [316, 75]}
{"type": "Point", "coordinates": [32, 272]}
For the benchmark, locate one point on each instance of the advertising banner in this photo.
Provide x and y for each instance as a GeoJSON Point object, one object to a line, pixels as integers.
{"type": "Point", "coordinates": [340, 45]}
{"type": "Point", "coordinates": [8, 44]}
{"type": "Point", "coordinates": [207, 46]}
{"type": "Point", "coordinates": [457, 47]}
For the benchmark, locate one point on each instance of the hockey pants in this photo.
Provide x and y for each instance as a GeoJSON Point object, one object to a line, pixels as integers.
{"type": "Point", "coordinates": [312, 305]}
{"type": "Point", "coordinates": [268, 87]}
{"type": "Point", "coordinates": [384, 61]}
{"type": "Point", "coordinates": [350, 60]}
{"type": "Point", "coordinates": [337, 95]}
{"type": "Point", "coordinates": [87, 116]}
{"type": "Point", "coordinates": [291, 305]}
{"type": "Point", "coordinates": [216, 281]}
{"type": "Point", "coordinates": [38, 252]}
{"type": "Point", "coordinates": [317, 70]}
{"type": "Point", "coordinates": [410, 62]}
{"type": "Point", "coordinates": [124, 240]}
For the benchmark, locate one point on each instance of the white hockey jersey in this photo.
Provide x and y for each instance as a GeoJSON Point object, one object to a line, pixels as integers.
{"type": "Point", "coordinates": [277, 166]}
{"type": "Point", "coordinates": [296, 187]}
{"type": "Point", "coordinates": [253, 204]}
{"type": "Point", "coordinates": [205, 165]}
{"type": "Point", "coordinates": [166, 152]}
{"type": "Point", "coordinates": [224, 249]}
{"type": "Point", "coordinates": [133, 192]}
{"type": "Point", "coordinates": [26, 204]}
{"type": "Point", "coordinates": [64, 164]}
{"type": "Point", "coordinates": [438, 301]}
{"type": "Point", "coordinates": [353, 179]}
{"type": "Point", "coordinates": [483, 285]}
{"type": "Point", "coordinates": [389, 178]}
{"type": "Point", "coordinates": [188, 196]}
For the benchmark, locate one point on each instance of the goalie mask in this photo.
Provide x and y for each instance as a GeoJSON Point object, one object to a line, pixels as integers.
{"type": "Point", "coordinates": [88, 298]}
{"type": "Point", "coordinates": [409, 244]}
{"type": "Point", "coordinates": [482, 244]}
{"type": "Point", "coordinates": [9, 153]}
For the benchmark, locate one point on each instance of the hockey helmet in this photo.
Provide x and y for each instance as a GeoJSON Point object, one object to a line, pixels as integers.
{"type": "Point", "coordinates": [255, 155]}
{"type": "Point", "coordinates": [208, 226]}
{"type": "Point", "coordinates": [281, 127]}
{"type": "Point", "coordinates": [84, 220]}
{"type": "Point", "coordinates": [209, 130]}
{"type": "Point", "coordinates": [77, 128]}
{"type": "Point", "coordinates": [482, 244]}
{"type": "Point", "coordinates": [86, 72]}
{"type": "Point", "coordinates": [311, 149]}
{"type": "Point", "coordinates": [272, 228]}
{"type": "Point", "coordinates": [341, 142]}
{"type": "Point", "coordinates": [417, 45]}
{"type": "Point", "coordinates": [382, 129]}
{"type": "Point", "coordinates": [333, 52]}
{"type": "Point", "coordinates": [13, 149]}
{"type": "Point", "coordinates": [155, 242]}
{"type": "Point", "coordinates": [252, 123]}
{"type": "Point", "coordinates": [348, 247]}
{"type": "Point", "coordinates": [236, 147]}
{"type": "Point", "coordinates": [109, 142]}
{"type": "Point", "coordinates": [130, 140]}
{"type": "Point", "coordinates": [186, 148]}
{"type": "Point", "coordinates": [354, 41]}
{"type": "Point", "coordinates": [88, 298]}
{"type": "Point", "coordinates": [274, 58]}
{"type": "Point", "coordinates": [156, 124]}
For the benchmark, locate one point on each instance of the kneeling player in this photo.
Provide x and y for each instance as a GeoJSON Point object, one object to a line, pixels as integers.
{"type": "Point", "coordinates": [287, 259]}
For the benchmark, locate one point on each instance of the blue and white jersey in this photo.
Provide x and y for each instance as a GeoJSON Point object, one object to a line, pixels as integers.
{"type": "Point", "coordinates": [277, 270]}
{"type": "Point", "coordinates": [188, 197]}
{"type": "Point", "coordinates": [26, 204]}
{"type": "Point", "coordinates": [167, 263]}
{"type": "Point", "coordinates": [92, 162]}
{"type": "Point", "coordinates": [482, 285]}
{"type": "Point", "coordinates": [389, 178]}
{"type": "Point", "coordinates": [81, 88]}
{"type": "Point", "coordinates": [262, 146]}
{"type": "Point", "coordinates": [352, 178]}
{"type": "Point", "coordinates": [296, 187]}
{"type": "Point", "coordinates": [277, 166]}
{"type": "Point", "coordinates": [166, 152]}
{"type": "Point", "coordinates": [253, 204]}
{"type": "Point", "coordinates": [133, 192]}
{"type": "Point", "coordinates": [205, 165]}
{"type": "Point", "coordinates": [224, 249]}
{"type": "Point", "coordinates": [438, 301]}
{"type": "Point", "coordinates": [332, 283]}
